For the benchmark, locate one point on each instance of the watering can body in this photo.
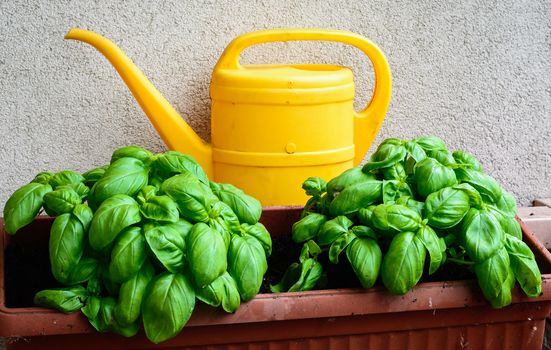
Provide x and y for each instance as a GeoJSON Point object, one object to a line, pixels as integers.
{"type": "Point", "coordinates": [272, 126]}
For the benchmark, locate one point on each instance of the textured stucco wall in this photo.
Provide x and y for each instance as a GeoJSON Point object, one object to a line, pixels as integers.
{"type": "Point", "coordinates": [476, 73]}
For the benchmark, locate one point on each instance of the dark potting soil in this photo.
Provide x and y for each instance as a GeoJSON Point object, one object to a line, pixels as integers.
{"type": "Point", "coordinates": [284, 253]}
{"type": "Point", "coordinates": [26, 271]}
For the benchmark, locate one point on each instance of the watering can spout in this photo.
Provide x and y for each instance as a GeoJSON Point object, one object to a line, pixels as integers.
{"type": "Point", "coordinates": [172, 128]}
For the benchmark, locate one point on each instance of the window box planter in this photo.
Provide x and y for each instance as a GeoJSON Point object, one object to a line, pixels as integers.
{"type": "Point", "coordinates": [434, 315]}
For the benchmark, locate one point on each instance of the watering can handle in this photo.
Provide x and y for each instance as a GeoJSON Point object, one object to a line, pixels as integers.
{"type": "Point", "coordinates": [371, 117]}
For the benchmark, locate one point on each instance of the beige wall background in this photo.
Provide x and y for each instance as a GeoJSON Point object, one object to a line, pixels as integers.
{"type": "Point", "coordinates": [476, 73]}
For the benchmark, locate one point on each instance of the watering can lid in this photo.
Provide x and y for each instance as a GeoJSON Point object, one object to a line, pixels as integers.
{"type": "Point", "coordinates": [283, 76]}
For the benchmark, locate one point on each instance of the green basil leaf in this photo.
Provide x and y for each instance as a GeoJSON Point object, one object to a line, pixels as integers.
{"type": "Point", "coordinates": [310, 273]}
{"type": "Point", "coordinates": [127, 255]}
{"type": "Point", "coordinates": [65, 177]}
{"type": "Point", "coordinates": [347, 178]}
{"type": "Point", "coordinates": [222, 291]}
{"type": "Point", "coordinates": [365, 257]}
{"type": "Point", "coordinates": [431, 176]}
{"type": "Point", "coordinates": [466, 159]}
{"type": "Point", "coordinates": [23, 206]}
{"type": "Point", "coordinates": [395, 217]}
{"type": "Point", "coordinates": [389, 152]}
{"type": "Point", "coordinates": [206, 252]}
{"type": "Point", "coordinates": [104, 317]}
{"type": "Point", "coordinates": [505, 297]}
{"type": "Point", "coordinates": [128, 308]}
{"type": "Point", "coordinates": [481, 233]}
{"type": "Point", "coordinates": [393, 190]}
{"type": "Point", "coordinates": [291, 275]}
{"type": "Point", "coordinates": [231, 299]}
{"type": "Point", "coordinates": [91, 309]}
{"type": "Point", "coordinates": [247, 265]}
{"type": "Point", "coordinates": [61, 200]}
{"type": "Point", "coordinates": [43, 177]}
{"type": "Point", "coordinates": [259, 232]}
{"type": "Point", "coordinates": [94, 287]}
{"type": "Point", "coordinates": [355, 197]}
{"type": "Point", "coordinates": [221, 227]}
{"type": "Point", "coordinates": [395, 172]}
{"type": "Point", "coordinates": [146, 193]}
{"type": "Point", "coordinates": [363, 232]}
{"type": "Point", "coordinates": [333, 229]}
{"type": "Point", "coordinates": [247, 208]}
{"type": "Point", "coordinates": [137, 152]}
{"type": "Point", "coordinates": [211, 294]}
{"type": "Point", "coordinates": [507, 204]}
{"type": "Point", "coordinates": [407, 201]}
{"type": "Point", "coordinates": [446, 207]}
{"type": "Point", "coordinates": [524, 266]}
{"type": "Point", "coordinates": [114, 214]}
{"type": "Point", "coordinates": [167, 306]}
{"type": "Point", "coordinates": [510, 226]}
{"type": "Point", "coordinates": [495, 278]}
{"type": "Point", "coordinates": [193, 198]}
{"type": "Point", "coordinates": [124, 176]}
{"type": "Point", "coordinates": [84, 214]}
{"type": "Point", "coordinates": [112, 288]}
{"type": "Point", "coordinates": [66, 300]}
{"type": "Point", "coordinates": [365, 215]}
{"type": "Point", "coordinates": [430, 143]}
{"type": "Point", "coordinates": [80, 188]}
{"type": "Point", "coordinates": [155, 181]}
{"type": "Point", "coordinates": [168, 243]}
{"type": "Point", "coordinates": [66, 246]}
{"type": "Point", "coordinates": [127, 331]}
{"type": "Point", "coordinates": [224, 218]}
{"type": "Point", "coordinates": [444, 157]}
{"type": "Point", "coordinates": [488, 188]}
{"type": "Point", "coordinates": [160, 208]}
{"type": "Point", "coordinates": [324, 204]}
{"type": "Point", "coordinates": [402, 265]}
{"type": "Point", "coordinates": [415, 151]}
{"type": "Point", "coordinates": [92, 176]}
{"type": "Point", "coordinates": [314, 186]}
{"type": "Point", "coordinates": [339, 245]}
{"type": "Point", "coordinates": [84, 270]}
{"type": "Point", "coordinates": [311, 206]}
{"type": "Point", "coordinates": [105, 320]}
{"type": "Point", "coordinates": [508, 223]}
{"type": "Point", "coordinates": [308, 227]}
{"type": "Point", "coordinates": [475, 200]}
{"type": "Point", "coordinates": [433, 244]}
{"type": "Point", "coordinates": [174, 162]}
{"type": "Point", "coordinates": [309, 250]}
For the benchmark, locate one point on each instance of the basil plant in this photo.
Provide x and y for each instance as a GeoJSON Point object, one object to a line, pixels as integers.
{"type": "Point", "coordinates": [135, 243]}
{"type": "Point", "coordinates": [413, 209]}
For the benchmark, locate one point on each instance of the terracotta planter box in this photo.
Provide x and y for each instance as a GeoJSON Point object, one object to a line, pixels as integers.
{"type": "Point", "coordinates": [434, 315]}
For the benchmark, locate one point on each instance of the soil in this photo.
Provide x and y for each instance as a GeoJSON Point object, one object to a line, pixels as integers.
{"type": "Point", "coordinates": [27, 271]}
{"type": "Point", "coordinates": [284, 253]}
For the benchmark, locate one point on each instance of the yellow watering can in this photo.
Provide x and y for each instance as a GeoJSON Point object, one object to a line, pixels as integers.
{"type": "Point", "coordinates": [273, 125]}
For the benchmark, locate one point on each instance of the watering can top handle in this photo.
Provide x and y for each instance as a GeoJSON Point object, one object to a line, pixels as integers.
{"type": "Point", "coordinates": [372, 115]}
